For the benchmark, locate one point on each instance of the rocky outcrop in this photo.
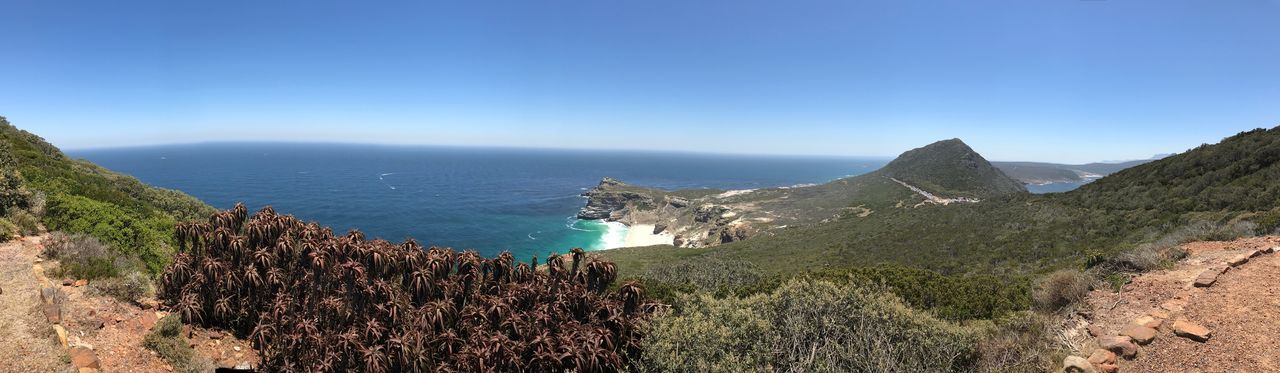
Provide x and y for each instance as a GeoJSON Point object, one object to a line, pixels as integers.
{"type": "Point", "coordinates": [709, 213]}
{"type": "Point", "coordinates": [607, 198]}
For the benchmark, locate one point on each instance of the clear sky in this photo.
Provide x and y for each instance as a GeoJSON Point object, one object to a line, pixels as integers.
{"type": "Point", "coordinates": [1050, 80]}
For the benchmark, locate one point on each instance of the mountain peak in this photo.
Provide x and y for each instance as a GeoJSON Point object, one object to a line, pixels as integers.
{"type": "Point", "coordinates": [951, 167]}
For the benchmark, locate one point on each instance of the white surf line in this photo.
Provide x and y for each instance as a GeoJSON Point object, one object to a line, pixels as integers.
{"type": "Point", "coordinates": [935, 199]}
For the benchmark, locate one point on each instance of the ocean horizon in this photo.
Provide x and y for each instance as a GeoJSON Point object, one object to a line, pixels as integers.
{"type": "Point", "coordinates": [487, 199]}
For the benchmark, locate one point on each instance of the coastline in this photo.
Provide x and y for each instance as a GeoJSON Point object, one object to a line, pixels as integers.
{"type": "Point", "coordinates": [642, 235]}
{"type": "Point", "coordinates": [619, 235]}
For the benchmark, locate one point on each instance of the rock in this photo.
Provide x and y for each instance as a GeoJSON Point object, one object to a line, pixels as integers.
{"type": "Point", "coordinates": [1140, 334]}
{"type": "Point", "coordinates": [244, 365]}
{"type": "Point", "coordinates": [1120, 345]}
{"type": "Point", "coordinates": [1108, 368]}
{"type": "Point", "coordinates": [80, 282]}
{"type": "Point", "coordinates": [678, 202]}
{"type": "Point", "coordinates": [1076, 364]}
{"type": "Point", "coordinates": [1255, 253]}
{"type": "Point", "coordinates": [67, 282]}
{"type": "Point", "coordinates": [237, 348]}
{"type": "Point", "coordinates": [1207, 278]}
{"type": "Point", "coordinates": [1269, 250]}
{"type": "Point", "coordinates": [87, 370]}
{"type": "Point", "coordinates": [62, 334]}
{"type": "Point", "coordinates": [659, 228]}
{"type": "Point", "coordinates": [1148, 321]}
{"type": "Point", "coordinates": [1102, 356]}
{"type": "Point", "coordinates": [52, 313]}
{"type": "Point", "coordinates": [150, 304]}
{"type": "Point", "coordinates": [678, 241]}
{"type": "Point", "coordinates": [48, 294]}
{"type": "Point", "coordinates": [707, 213]}
{"type": "Point", "coordinates": [1160, 314]}
{"type": "Point", "coordinates": [147, 320]}
{"type": "Point", "coordinates": [1239, 260]}
{"type": "Point", "coordinates": [84, 358]}
{"type": "Point", "coordinates": [1095, 330]}
{"type": "Point", "coordinates": [1192, 331]}
{"type": "Point", "coordinates": [1173, 305]}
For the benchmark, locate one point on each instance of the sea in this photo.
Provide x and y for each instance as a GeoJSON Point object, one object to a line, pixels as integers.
{"type": "Point", "coordinates": [486, 199]}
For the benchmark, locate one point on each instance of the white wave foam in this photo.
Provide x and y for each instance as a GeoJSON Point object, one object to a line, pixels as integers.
{"type": "Point", "coordinates": [615, 236]}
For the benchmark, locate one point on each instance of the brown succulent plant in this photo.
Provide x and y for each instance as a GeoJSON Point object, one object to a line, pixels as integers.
{"type": "Point", "coordinates": [313, 301]}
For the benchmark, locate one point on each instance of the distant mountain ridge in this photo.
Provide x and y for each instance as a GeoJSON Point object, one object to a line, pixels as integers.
{"type": "Point", "coordinates": [1044, 172]}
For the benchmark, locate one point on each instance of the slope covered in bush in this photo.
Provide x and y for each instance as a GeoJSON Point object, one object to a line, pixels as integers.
{"type": "Point", "coordinates": [313, 301]}
{"type": "Point", "coordinates": [79, 197]}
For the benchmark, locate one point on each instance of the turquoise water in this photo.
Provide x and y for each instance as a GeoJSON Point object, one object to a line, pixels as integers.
{"type": "Point", "coordinates": [488, 199]}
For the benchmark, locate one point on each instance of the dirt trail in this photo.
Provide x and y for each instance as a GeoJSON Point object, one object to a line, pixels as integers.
{"type": "Point", "coordinates": [27, 341]}
{"type": "Point", "coordinates": [1242, 309]}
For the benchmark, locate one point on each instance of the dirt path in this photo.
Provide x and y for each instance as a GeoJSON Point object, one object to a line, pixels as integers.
{"type": "Point", "coordinates": [27, 341]}
{"type": "Point", "coordinates": [1242, 309]}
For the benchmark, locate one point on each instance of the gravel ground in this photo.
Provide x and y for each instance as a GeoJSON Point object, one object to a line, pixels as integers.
{"type": "Point", "coordinates": [27, 341]}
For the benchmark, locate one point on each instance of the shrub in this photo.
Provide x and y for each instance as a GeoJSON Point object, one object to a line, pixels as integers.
{"type": "Point", "coordinates": [143, 237]}
{"type": "Point", "coordinates": [8, 231]}
{"type": "Point", "coordinates": [27, 224]}
{"type": "Point", "coordinates": [806, 326]}
{"type": "Point", "coordinates": [1062, 289]}
{"type": "Point", "coordinates": [83, 256]}
{"type": "Point", "coordinates": [167, 342]}
{"type": "Point", "coordinates": [128, 288]}
{"type": "Point", "coordinates": [1019, 342]}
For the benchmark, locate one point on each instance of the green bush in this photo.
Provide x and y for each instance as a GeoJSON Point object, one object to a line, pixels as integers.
{"type": "Point", "coordinates": [28, 224]}
{"type": "Point", "coordinates": [8, 231]}
{"type": "Point", "coordinates": [806, 326]}
{"type": "Point", "coordinates": [147, 238]}
{"type": "Point", "coordinates": [167, 342]}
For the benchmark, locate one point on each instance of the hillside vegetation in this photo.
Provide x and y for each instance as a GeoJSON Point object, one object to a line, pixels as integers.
{"type": "Point", "coordinates": [75, 196]}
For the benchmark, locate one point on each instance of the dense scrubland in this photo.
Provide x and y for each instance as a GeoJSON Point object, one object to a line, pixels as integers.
{"type": "Point", "coordinates": [967, 287]}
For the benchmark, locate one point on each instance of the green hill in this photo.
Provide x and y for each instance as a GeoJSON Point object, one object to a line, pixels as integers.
{"type": "Point", "coordinates": [953, 168]}
{"type": "Point", "coordinates": [1016, 233]}
{"type": "Point", "coordinates": [76, 196]}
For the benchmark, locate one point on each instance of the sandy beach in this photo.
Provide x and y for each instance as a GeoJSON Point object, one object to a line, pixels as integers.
{"type": "Point", "coordinates": [642, 235]}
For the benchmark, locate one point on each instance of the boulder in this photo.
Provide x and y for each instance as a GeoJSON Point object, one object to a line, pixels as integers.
{"type": "Point", "coordinates": [1076, 364]}
{"type": "Point", "coordinates": [1121, 345]}
{"type": "Point", "coordinates": [1255, 253]}
{"type": "Point", "coordinates": [84, 358]}
{"type": "Point", "coordinates": [1140, 334]}
{"type": "Point", "coordinates": [678, 202]}
{"type": "Point", "coordinates": [67, 282]}
{"type": "Point", "coordinates": [1102, 356]}
{"type": "Point", "coordinates": [1192, 331]}
{"type": "Point", "coordinates": [1239, 260]}
{"type": "Point", "coordinates": [678, 241]}
{"type": "Point", "coordinates": [1269, 250]}
{"type": "Point", "coordinates": [659, 228]}
{"type": "Point", "coordinates": [1108, 368]}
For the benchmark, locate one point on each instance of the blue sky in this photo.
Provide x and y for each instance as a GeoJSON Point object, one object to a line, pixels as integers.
{"type": "Point", "coordinates": [1051, 80]}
